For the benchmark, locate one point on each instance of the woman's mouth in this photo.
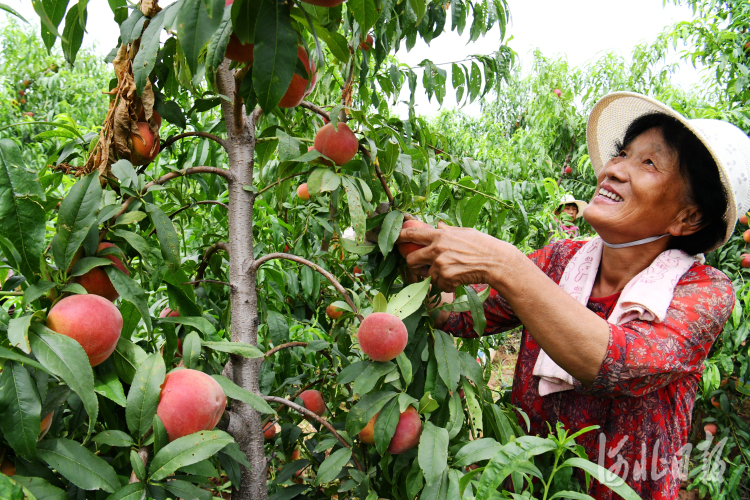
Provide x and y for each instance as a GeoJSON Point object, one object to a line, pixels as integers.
{"type": "Point", "coordinates": [609, 195]}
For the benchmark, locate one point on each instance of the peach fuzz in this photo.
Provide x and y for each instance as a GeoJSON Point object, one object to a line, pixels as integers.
{"type": "Point", "coordinates": [406, 248]}
{"type": "Point", "coordinates": [313, 401]}
{"type": "Point", "coordinates": [91, 320]}
{"type": "Point", "coordinates": [382, 336]}
{"type": "Point", "coordinates": [97, 282]}
{"type": "Point", "coordinates": [190, 401]}
{"type": "Point", "coordinates": [339, 145]}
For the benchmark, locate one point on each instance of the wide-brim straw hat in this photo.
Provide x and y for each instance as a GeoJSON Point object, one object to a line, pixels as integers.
{"type": "Point", "coordinates": [729, 146]}
{"type": "Point", "coordinates": [568, 198]}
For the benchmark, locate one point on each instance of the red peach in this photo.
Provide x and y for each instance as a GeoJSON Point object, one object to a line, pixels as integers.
{"type": "Point", "coordinates": [190, 401]}
{"type": "Point", "coordinates": [745, 260]}
{"type": "Point", "coordinates": [91, 320]}
{"type": "Point", "coordinates": [406, 248]}
{"type": "Point", "coordinates": [45, 424]}
{"type": "Point", "coordinates": [568, 170]}
{"type": "Point", "coordinates": [269, 431]}
{"type": "Point", "coordinates": [168, 313]}
{"type": "Point", "coordinates": [557, 92]}
{"type": "Point", "coordinates": [313, 401]}
{"type": "Point", "coordinates": [334, 312]}
{"type": "Point", "coordinates": [746, 236]}
{"type": "Point", "coordinates": [408, 431]}
{"type": "Point", "coordinates": [8, 468]}
{"type": "Point", "coordinates": [368, 43]}
{"type": "Point", "coordinates": [339, 145]}
{"type": "Point", "coordinates": [302, 192]}
{"type": "Point", "coordinates": [238, 51]}
{"type": "Point", "coordinates": [145, 148]}
{"type": "Point", "coordinates": [321, 161]}
{"type": "Point", "coordinates": [96, 281]}
{"type": "Point", "coordinates": [367, 435]}
{"type": "Point", "coordinates": [382, 336]}
{"type": "Point", "coordinates": [299, 87]}
{"type": "Point", "coordinates": [710, 429]}
{"type": "Point", "coordinates": [744, 219]}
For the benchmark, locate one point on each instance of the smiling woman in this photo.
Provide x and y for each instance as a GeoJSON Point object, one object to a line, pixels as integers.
{"type": "Point", "coordinates": [616, 329]}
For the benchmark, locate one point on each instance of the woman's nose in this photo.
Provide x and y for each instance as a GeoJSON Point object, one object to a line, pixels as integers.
{"type": "Point", "coordinates": [616, 169]}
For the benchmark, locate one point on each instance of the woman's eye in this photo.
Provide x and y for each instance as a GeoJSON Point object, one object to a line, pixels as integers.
{"type": "Point", "coordinates": [622, 154]}
{"type": "Point", "coordinates": [649, 162]}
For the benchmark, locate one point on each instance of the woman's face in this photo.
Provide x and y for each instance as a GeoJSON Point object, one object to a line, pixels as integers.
{"type": "Point", "coordinates": [640, 192]}
{"type": "Point", "coordinates": [571, 209]}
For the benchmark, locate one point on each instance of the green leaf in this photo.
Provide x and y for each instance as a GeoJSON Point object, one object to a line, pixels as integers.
{"type": "Point", "coordinates": [75, 217]}
{"type": "Point", "coordinates": [41, 488]}
{"type": "Point", "coordinates": [385, 425]}
{"type": "Point", "coordinates": [137, 464]}
{"type": "Point", "coordinates": [476, 451]}
{"type": "Point", "coordinates": [72, 37]}
{"type": "Point", "coordinates": [427, 404]}
{"type": "Point", "coordinates": [389, 231]}
{"type": "Point", "coordinates": [65, 358]}
{"type": "Point", "coordinates": [79, 465]}
{"type": "Point", "coordinates": [18, 333]}
{"type": "Point", "coordinates": [322, 180]}
{"type": "Point", "coordinates": [198, 322]}
{"type": "Point", "coordinates": [574, 495]}
{"type": "Point", "coordinates": [275, 53]}
{"type": "Point", "coordinates": [512, 457]}
{"type": "Point", "coordinates": [217, 45]}
{"type": "Point", "coordinates": [127, 358]}
{"type": "Point", "coordinates": [86, 264]}
{"type": "Point", "coordinates": [233, 391]}
{"type": "Point", "coordinates": [20, 410]}
{"type": "Point", "coordinates": [8, 354]}
{"type": "Point", "coordinates": [355, 208]}
{"type": "Point", "coordinates": [368, 379]}
{"type": "Point", "coordinates": [244, 19]}
{"type": "Point", "coordinates": [351, 372]}
{"type": "Point", "coordinates": [365, 13]}
{"type": "Point", "coordinates": [184, 489]}
{"type": "Point", "coordinates": [146, 56]}
{"type": "Point", "coordinates": [405, 366]}
{"type": "Point", "coordinates": [238, 348]}
{"type": "Point", "coordinates": [607, 478]}
{"type": "Point", "coordinates": [133, 491]}
{"type": "Point", "coordinates": [352, 247]}
{"type": "Point", "coordinates": [187, 450]}
{"type": "Point", "coordinates": [13, 12]}
{"type": "Point", "coordinates": [165, 232]}
{"type": "Point", "coordinates": [39, 8]}
{"type": "Point", "coordinates": [135, 240]}
{"type": "Point", "coordinates": [449, 364]}
{"type": "Point", "coordinates": [131, 291]}
{"type": "Point", "coordinates": [143, 396]}
{"type": "Point", "coordinates": [114, 438]}
{"type": "Point", "coordinates": [433, 451]}
{"type": "Point", "coordinates": [195, 27]}
{"type": "Point", "coordinates": [36, 290]}
{"type": "Point", "coordinates": [55, 10]}
{"type": "Point", "coordinates": [22, 216]}
{"type": "Point", "coordinates": [332, 465]}
{"type": "Point", "coordinates": [419, 8]}
{"type": "Point", "coordinates": [191, 350]}
{"type": "Point", "coordinates": [409, 300]}
{"type": "Point", "coordinates": [109, 386]}
{"type": "Point", "coordinates": [365, 409]}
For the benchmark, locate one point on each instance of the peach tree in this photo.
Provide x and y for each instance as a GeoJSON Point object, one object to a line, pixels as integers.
{"type": "Point", "coordinates": [179, 208]}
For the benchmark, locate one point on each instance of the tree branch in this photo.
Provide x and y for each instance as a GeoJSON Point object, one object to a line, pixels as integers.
{"type": "Point", "coordinates": [220, 245]}
{"type": "Point", "coordinates": [282, 180]}
{"type": "Point", "coordinates": [238, 107]}
{"type": "Point", "coordinates": [175, 138]}
{"type": "Point", "coordinates": [295, 344]}
{"type": "Point", "coordinates": [196, 282]}
{"type": "Point", "coordinates": [307, 413]}
{"type": "Point", "coordinates": [382, 181]}
{"type": "Point", "coordinates": [317, 109]}
{"type": "Point", "coordinates": [271, 256]}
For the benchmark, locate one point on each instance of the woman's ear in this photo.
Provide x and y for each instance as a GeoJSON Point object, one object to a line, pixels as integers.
{"type": "Point", "coordinates": [688, 221]}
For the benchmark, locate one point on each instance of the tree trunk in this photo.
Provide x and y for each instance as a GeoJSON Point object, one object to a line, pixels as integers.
{"type": "Point", "coordinates": [240, 145]}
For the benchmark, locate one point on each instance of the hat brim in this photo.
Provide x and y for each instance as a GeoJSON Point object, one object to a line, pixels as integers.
{"type": "Point", "coordinates": [579, 203]}
{"type": "Point", "coordinates": [610, 119]}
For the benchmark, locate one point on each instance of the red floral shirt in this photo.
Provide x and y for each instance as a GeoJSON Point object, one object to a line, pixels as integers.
{"type": "Point", "coordinates": [642, 399]}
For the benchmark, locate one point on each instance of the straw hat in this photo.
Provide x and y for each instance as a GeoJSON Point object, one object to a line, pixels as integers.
{"type": "Point", "coordinates": [569, 198]}
{"type": "Point", "coordinates": [729, 146]}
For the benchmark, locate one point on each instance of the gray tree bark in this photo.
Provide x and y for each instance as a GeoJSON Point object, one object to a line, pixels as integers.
{"type": "Point", "coordinates": [240, 145]}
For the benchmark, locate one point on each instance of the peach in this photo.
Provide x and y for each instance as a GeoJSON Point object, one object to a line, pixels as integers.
{"type": "Point", "coordinates": [269, 431]}
{"type": "Point", "coordinates": [339, 145]}
{"type": "Point", "coordinates": [302, 192]}
{"type": "Point", "coordinates": [356, 270]}
{"type": "Point", "coordinates": [743, 219]}
{"type": "Point", "coordinates": [168, 313]}
{"type": "Point", "coordinates": [45, 424]}
{"type": "Point", "coordinates": [557, 92]}
{"type": "Point", "coordinates": [406, 248]}
{"type": "Point", "coordinates": [568, 170]}
{"type": "Point", "coordinates": [367, 435]}
{"type": "Point", "coordinates": [367, 44]}
{"type": "Point", "coordinates": [295, 455]}
{"type": "Point", "coordinates": [408, 432]}
{"type": "Point", "coordinates": [710, 429]}
{"type": "Point", "coordinates": [91, 320]}
{"type": "Point", "coordinates": [313, 401]}
{"type": "Point", "coordinates": [745, 260]}
{"type": "Point", "coordinates": [746, 236]}
{"type": "Point", "coordinates": [8, 468]}
{"type": "Point", "coordinates": [382, 336]}
{"type": "Point", "coordinates": [238, 51]}
{"type": "Point", "coordinates": [190, 401]}
{"type": "Point", "coordinates": [299, 87]}
{"type": "Point", "coordinates": [334, 312]}
{"type": "Point", "coordinates": [97, 282]}
{"type": "Point", "coordinates": [145, 148]}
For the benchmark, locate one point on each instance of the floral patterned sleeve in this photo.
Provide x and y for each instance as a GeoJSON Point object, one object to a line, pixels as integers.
{"type": "Point", "coordinates": [643, 356]}
{"type": "Point", "coordinates": [500, 317]}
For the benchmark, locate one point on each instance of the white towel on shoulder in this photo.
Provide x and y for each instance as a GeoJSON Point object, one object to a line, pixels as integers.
{"type": "Point", "coordinates": [647, 297]}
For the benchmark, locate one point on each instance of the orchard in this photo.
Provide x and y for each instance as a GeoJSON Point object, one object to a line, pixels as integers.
{"type": "Point", "coordinates": [182, 314]}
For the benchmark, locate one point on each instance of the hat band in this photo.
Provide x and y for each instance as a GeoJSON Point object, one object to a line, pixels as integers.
{"type": "Point", "coordinates": [634, 243]}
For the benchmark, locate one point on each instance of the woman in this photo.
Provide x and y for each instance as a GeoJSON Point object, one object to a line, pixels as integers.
{"type": "Point", "coordinates": [617, 328]}
{"type": "Point", "coordinates": [573, 209]}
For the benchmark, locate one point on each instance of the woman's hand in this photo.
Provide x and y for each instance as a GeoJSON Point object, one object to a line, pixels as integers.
{"type": "Point", "coordinates": [455, 256]}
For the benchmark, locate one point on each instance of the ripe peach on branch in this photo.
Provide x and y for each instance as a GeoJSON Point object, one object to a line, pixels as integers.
{"type": "Point", "coordinates": [96, 280]}
{"type": "Point", "coordinates": [382, 336]}
{"type": "Point", "coordinates": [339, 144]}
{"type": "Point", "coordinates": [190, 401]}
{"type": "Point", "coordinates": [313, 401]}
